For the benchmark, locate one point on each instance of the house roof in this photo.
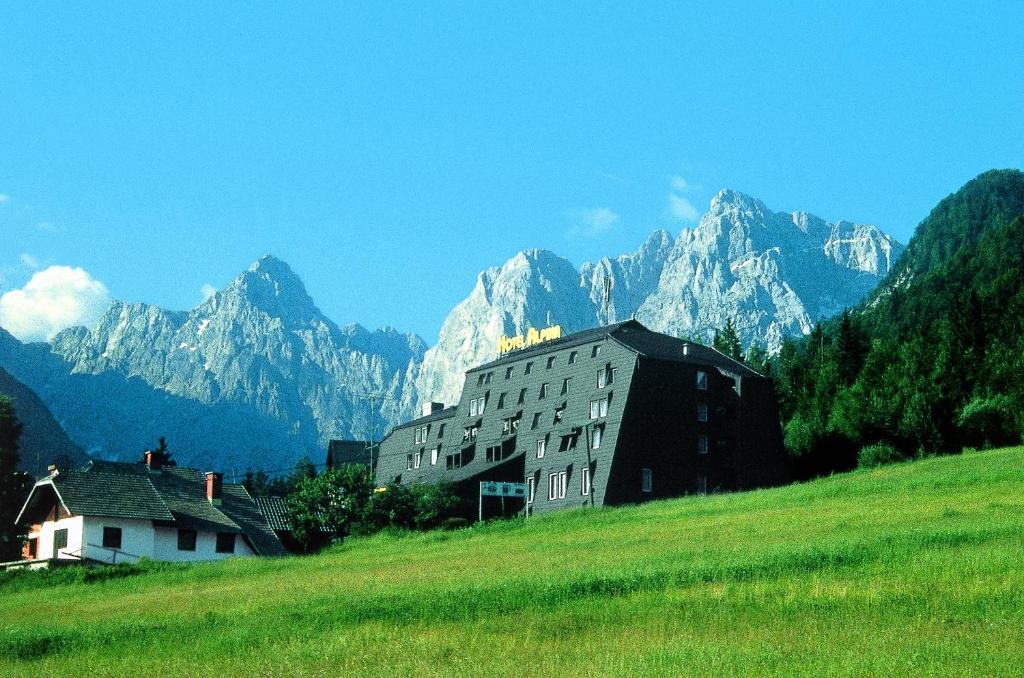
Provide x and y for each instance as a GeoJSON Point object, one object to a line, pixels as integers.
{"type": "Point", "coordinates": [275, 510]}
{"type": "Point", "coordinates": [170, 496]}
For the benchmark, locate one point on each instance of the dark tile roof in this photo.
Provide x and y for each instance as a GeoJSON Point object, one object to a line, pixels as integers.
{"type": "Point", "coordinates": [171, 496]}
{"type": "Point", "coordinates": [275, 510]}
{"type": "Point", "coordinates": [111, 495]}
{"type": "Point", "coordinates": [446, 413]}
{"type": "Point", "coordinates": [568, 341]}
{"type": "Point", "coordinates": [664, 347]}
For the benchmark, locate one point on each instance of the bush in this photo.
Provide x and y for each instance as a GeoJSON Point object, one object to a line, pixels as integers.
{"type": "Point", "coordinates": [989, 422]}
{"type": "Point", "coordinates": [454, 524]}
{"type": "Point", "coordinates": [877, 455]}
{"type": "Point", "coordinates": [435, 504]}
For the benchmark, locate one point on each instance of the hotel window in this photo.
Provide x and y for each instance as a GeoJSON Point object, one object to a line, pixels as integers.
{"type": "Point", "coordinates": [542, 446]}
{"type": "Point", "coordinates": [565, 385]}
{"type": "Point", "coordinates": [440, 432]}
{"type": "Point", "coordinates": [434, 454]}
{"type": "Point", "coordinates": [225, 542]}
{"type": "Point", "coordinates": [482, 402]}
{"type": "Point", "coordinates": [702, 484]}
{"type": "Point", "coordinates": [702, 380]}
{"type": "Point", "coordinates": [562, 478]}
{"type": "Point", "coordinates": [418, 459]}
{"type": "Point", "coordinates": [595, 406]}
{"type": "Point", "coordinates": [702, 444]}
{"type": "Point", "coordinates": [501, 401]}
{"type": "Point", "coordinates": [556, 485]}
{"type": "Point", "coordinates": [510, 425]}
{"type": "Point", "coordinates": [530, 489]}
{"type": "Point", "coordinates": [604, 405]}
{"type": "Point", "coordinates": [493, 454]}
{"type": "Point", "coordinates": [529, 368]}
{"type": "Point", "coordinates": [598, 434]}
{"type": "Point", "coordinates": [408, 462]}
{"type": "Point", "coordinates": [558, 414]}
{"type": "Point", "coordinates": [480, 380]}
{"type": "Point", "coordinates": [487, 378]}
{"type": "Point", "coordinates": [536, 420]}
{"type": "Point", "coordinates": [186, 540]}
{"type": "Point", "coordinates": [472, 407]}
{"type": "Point", "coordinates": [572, 358]}
{"type": "Point", "coordinates": [584, 481]}
{"type": "Point", "coordinates": [551, 362]}
{"type": "Point", "coordinates": [522, 396]}
{"type": "Point", "coordinates": [702, 411]}
{"type": "Point", "coordinates": [60, 539]}
{"type": "Point", "coordinates": [568, 442]}
{"type": "Point", "coordinates": [595, 351]}
{"type": "Point", "coordinates": [645, 479]}
{"type": "Point", "coordinates": [543, 391]}
{"type": "Point", "coordinates": [112, 537]}
{"type": "Point", "coordinates": [602, 378]}
{"type": "Point", "coordinates": [508, 372]}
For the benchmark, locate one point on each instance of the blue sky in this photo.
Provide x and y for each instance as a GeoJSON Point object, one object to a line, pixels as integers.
{"type": "Point", "coordinates": [390, 154]}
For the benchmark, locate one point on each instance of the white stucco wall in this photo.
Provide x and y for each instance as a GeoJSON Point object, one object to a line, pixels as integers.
{"type": "Point", "coordinates": [136, 539]}
{"type": "Point", "coordinates": [165, 546]}
{"type": "Point", "coordinates": [44, 547]}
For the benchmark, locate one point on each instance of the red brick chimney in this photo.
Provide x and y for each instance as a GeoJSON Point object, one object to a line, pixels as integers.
{"type": "Point", "coordinates": [152, 460]}
{"type": "Point", "coordinates": [214, 487]}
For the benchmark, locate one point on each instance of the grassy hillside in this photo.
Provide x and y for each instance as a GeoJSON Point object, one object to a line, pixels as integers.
{"type": "Point", "coordinates": [913, 568]}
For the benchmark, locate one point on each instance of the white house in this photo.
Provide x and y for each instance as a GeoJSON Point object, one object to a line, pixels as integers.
{"type": "Point", "coordinates": [112, 512]}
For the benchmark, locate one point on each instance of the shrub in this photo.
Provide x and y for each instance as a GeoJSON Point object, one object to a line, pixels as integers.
{"type": "Point", "coordinates": [877, 455]}
{"type": "Point", "coordinates": [435, 504]}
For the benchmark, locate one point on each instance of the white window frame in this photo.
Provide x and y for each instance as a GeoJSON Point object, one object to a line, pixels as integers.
{"type": "Point", "coordinates": [552, 486]}
{"type": "Point", "coordinates": [434, 454]}
{"type": "Point", "coordinates": [585, 481]}
{"type": "Point", "coordinates": [595, 351]}
{"type": "Point", "coordinates": [542, 447]}
{"type": "Point", "coordinates": [472, 407]}
{"type": "Point", "coordinates": [595, 409]}
{"type": "Point", "coordinates": [597, 435]}
{"type": "Point", "coordinates": [702, 380]}
{"type": "Point", "coordinates": [603, 404]}
{"type": "Point", "coordinates": [482, 404]}
{"type": "Point", "coordinates": [543, 391]}
{"type": "Point", "coordinates": [646, 480]}
{"type": "Point", "coordinates": [563, 478]}
{"type": "Point", "coordinates": [703, 443]}
{"type": "Point", "coordinates": [602, 378]}
{"type": "Point", "coordinates": [416, 460]}
{"type": "Point", "coordinates": [702, 411]}
{"type": "Point", "coordinates": [531, 489]}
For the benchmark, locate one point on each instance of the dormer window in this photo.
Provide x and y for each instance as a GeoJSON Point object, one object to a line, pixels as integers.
{"type": "Point", "coordinates": [543, 391]}
{"type": "Point", "coordinates": [595, 351]}
{"type": "Point", "coordinates": [551, 362]}
{"type": "Point", "coordinates": [529, 368]}
{"type": "Point", "coordinates": [565, 386]}
{"type": "Point", "coordinates": [702, 380]}
{"type": "Point", "coordinates": [572, 358]}
{"type": "Point", "coordinates": [508, 372]}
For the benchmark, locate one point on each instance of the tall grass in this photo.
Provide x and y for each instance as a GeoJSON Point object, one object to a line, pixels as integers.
{"type": "Point", "coordinates": [913, 568]}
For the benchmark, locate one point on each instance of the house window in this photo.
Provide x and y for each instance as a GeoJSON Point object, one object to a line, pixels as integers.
{"type": "Point", "coordinates": [584, 481]}
{"type": "Point", "coordinates": [702, 380]}
{"type": "Point", "coordinates": [225, 542]}
{"type": "Point", "coordinates": [433, 455]}
{"type": "Point", "coordinates": [112, 537]}
{"type": "Point", "coordinates": [529, 368]}
{"type": "Point", "coordinates": [60, 540]}
{"type": "Point", "coordinates": [543, 391]}
{"type": "Point", "coordinates": [508, 372]}
{"type": "Point", "coordinates": [536, 420]}
{"type": "Point", "coordinates": [551, 362]}
{"type": "Point", "coordinates": [530, 489]}
{"type": "Point", "coordinates": [565, 386]}
{"type": "Point", "coordinates": [572, 358]}
{"type": "Point", "coordinates": [702, 411]}
{"type": "Point", "coordinates": [595, 351]}
{"type": "Point", "coordinates": [702, 484]}
{"type": "Point", "coordinates": [186, 540]}
{"type": "Point", "coordinates": [598, 434]}
{"type": "Point", "coordinates": [501, 401]}
{"type": "Point", "coordinates": [645, 479]}
{"type": "Point", "coordinates": [522, 396]}
{"type": "Point", "coordinates": [542, 446]}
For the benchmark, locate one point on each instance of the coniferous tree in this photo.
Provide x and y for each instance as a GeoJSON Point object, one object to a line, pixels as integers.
{"type": "Point", "coordinates": [728, 341]}
{"type": "Point", "coordinates": [14, 485]}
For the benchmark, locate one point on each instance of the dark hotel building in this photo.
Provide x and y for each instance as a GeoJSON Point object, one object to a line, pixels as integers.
{"type": "Point", "coordinates": [608, 416]}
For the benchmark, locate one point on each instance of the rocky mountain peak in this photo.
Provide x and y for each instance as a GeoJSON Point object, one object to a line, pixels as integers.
{"type": "Point", "coordinates": [271, 286]}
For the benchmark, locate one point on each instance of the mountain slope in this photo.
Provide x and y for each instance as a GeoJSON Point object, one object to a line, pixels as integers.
{"type": "Point", "coordinates": [255, 376]}
{"type": "Point", "coordinates": [42, 441]}
{"type": "Point", "coordinates": [773, 274]}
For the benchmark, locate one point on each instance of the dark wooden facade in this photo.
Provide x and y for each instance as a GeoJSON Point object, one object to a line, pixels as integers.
{"type": "Point", "coordinates": [626, 415]}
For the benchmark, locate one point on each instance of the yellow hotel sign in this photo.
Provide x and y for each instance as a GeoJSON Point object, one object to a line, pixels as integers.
{"type": "Point", "coordinates": [506, 344]}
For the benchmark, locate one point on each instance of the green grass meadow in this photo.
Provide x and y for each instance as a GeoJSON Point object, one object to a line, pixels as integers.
{"type": "Point", "coordinates": [915, 568]}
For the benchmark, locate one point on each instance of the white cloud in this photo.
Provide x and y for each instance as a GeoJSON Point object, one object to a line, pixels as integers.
{"type": "Point", "coordinates": [28, 261]}
{"type": "Point", "coordinates": [53, 299]}
{"type": "Point", "coordinates": [681, 208]}
{"type": "Point", "coordinates": [678, 183]}
{"type": "Point", "coordinates": [596, 221]}
{"type": "Point", "coordinates": [207, 290]}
